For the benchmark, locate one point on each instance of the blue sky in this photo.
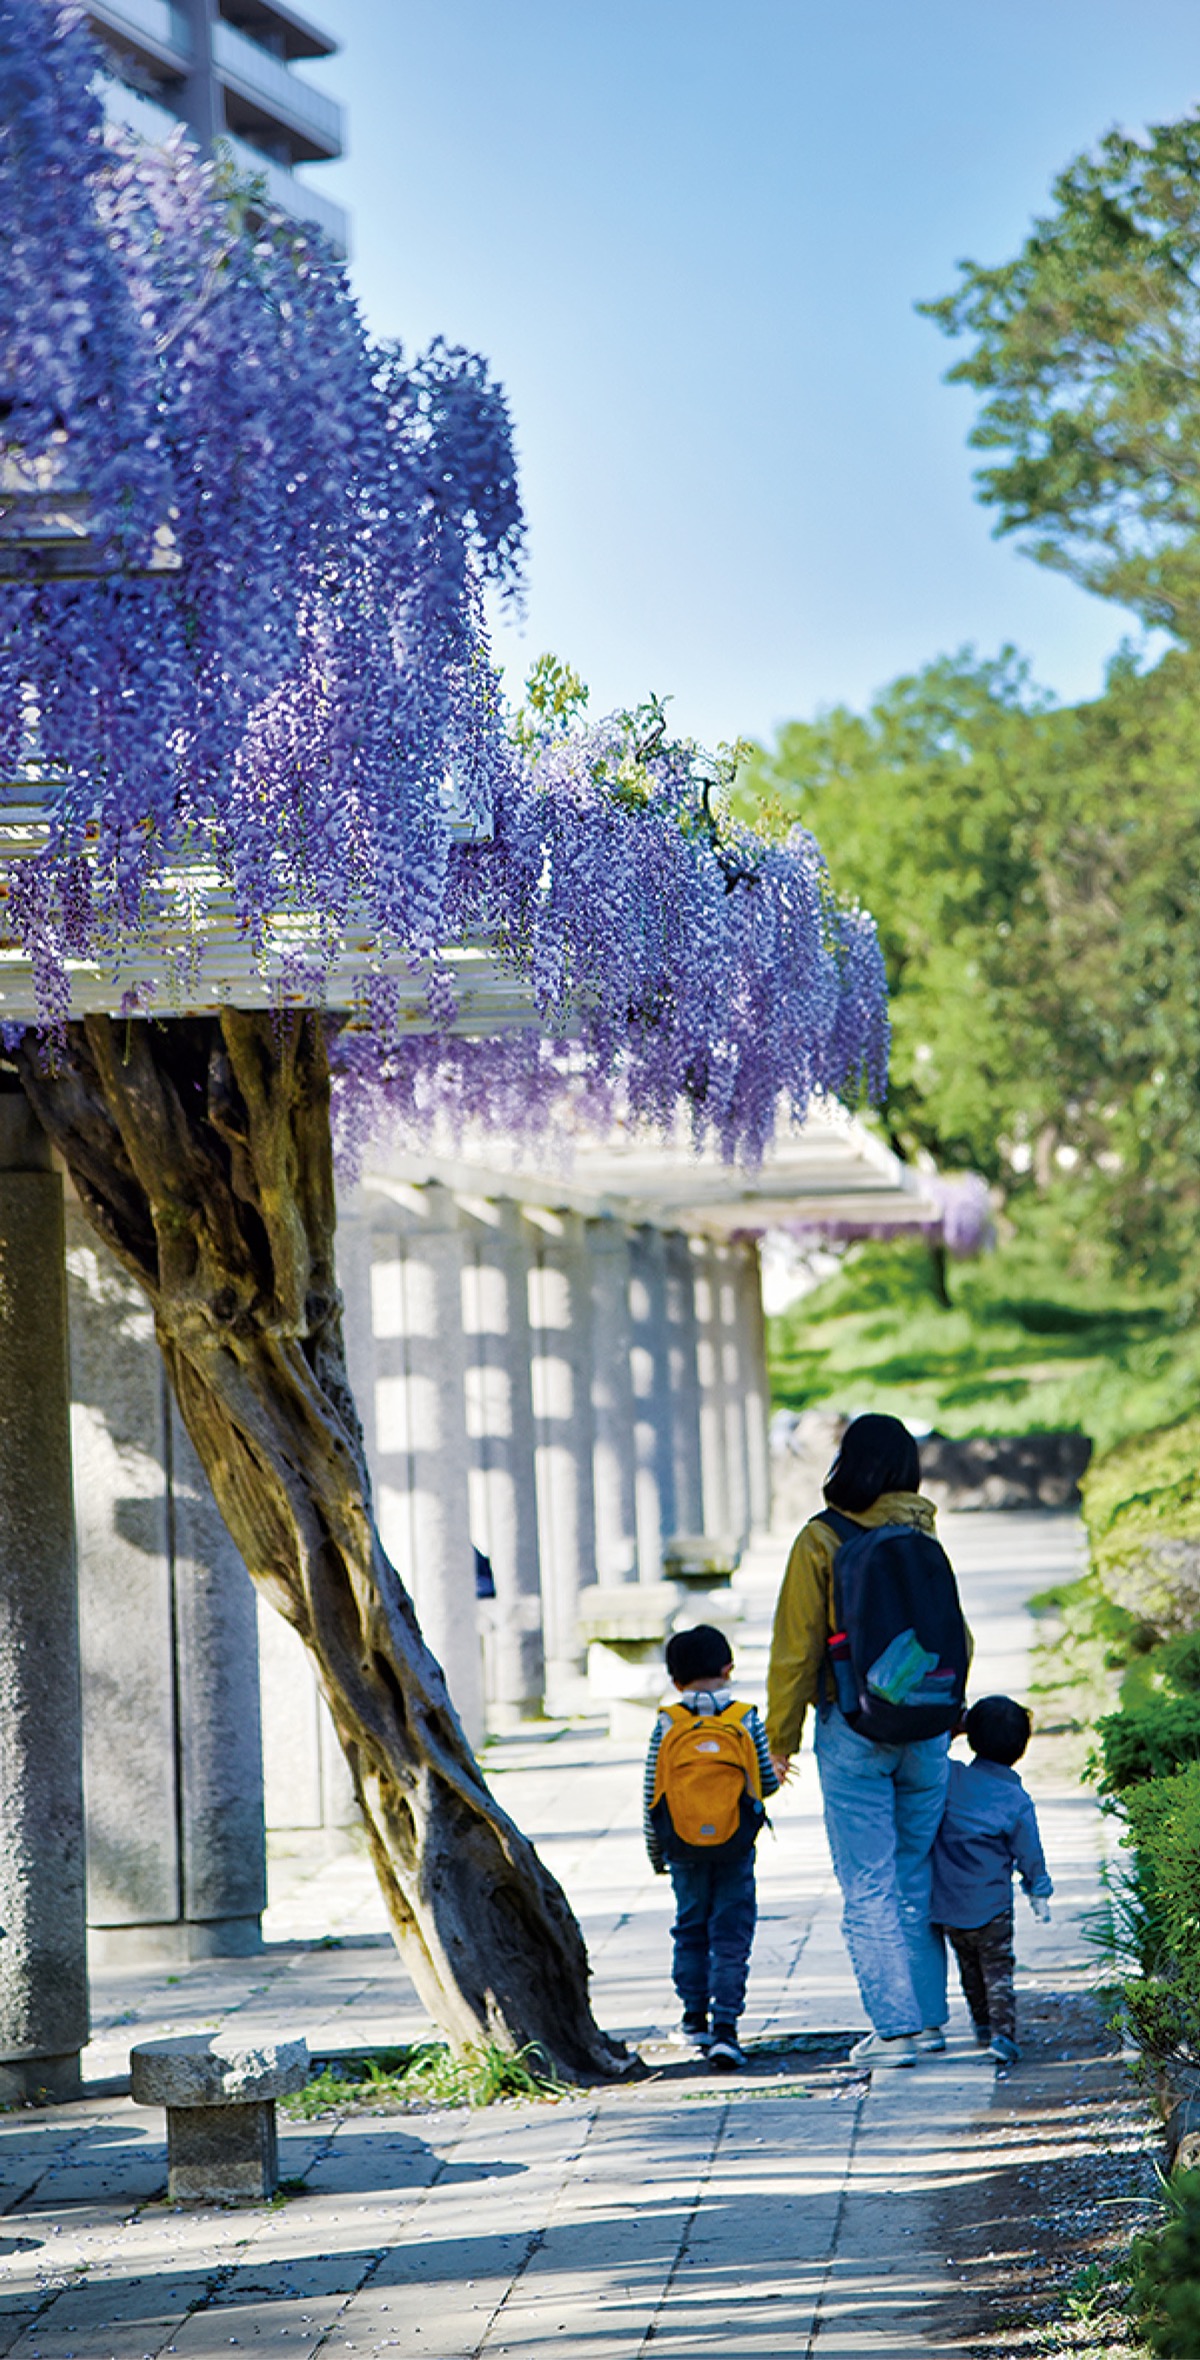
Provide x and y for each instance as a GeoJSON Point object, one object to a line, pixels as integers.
{"type": "Point", "coordinates": [689, 236]}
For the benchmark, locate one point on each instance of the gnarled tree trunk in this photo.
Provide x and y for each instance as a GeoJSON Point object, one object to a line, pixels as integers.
{"type": "Point", "coordinates": [201, 1151]}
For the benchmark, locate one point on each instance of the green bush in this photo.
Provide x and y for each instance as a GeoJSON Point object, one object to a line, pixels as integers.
{"type": "Point", "coordinates": [1157, 1729]}
{"type": "Point", "coordinates": [1161, 1912]}
{"type": "Point", "coordinates": [1149, 1740]}
{"type": "Point", "coordinates": [1165, 2270]}
{"type": "Point", "coordinates": [1141, 1504]}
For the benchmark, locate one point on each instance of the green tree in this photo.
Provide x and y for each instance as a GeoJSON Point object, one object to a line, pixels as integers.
{"type": "Point", "coordinates": [1087, 350]}
{"type": "Point", "coordinates": [1035, 874]}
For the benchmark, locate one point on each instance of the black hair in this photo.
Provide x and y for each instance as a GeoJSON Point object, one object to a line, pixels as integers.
{"type": "Point", "coordinates": [877, 1454]}
{"type": "Point", "coordinates": [699, 1654]}
{"type": "Point", "coordinates": [998, 1729]}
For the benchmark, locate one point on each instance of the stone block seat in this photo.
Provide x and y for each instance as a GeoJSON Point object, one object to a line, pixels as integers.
{"type": "Point", "coordinates": [700, 1561]}
{"type": "Point", "coordinates": [626, 1626]}
{"type": "Point", "coordinates": [219, 2094]}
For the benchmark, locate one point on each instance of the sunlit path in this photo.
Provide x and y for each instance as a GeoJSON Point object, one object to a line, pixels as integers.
{"type": "Point", "coordinates": [795, 2209]}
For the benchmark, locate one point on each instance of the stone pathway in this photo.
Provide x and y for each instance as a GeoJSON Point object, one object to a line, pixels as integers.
{"type": "Point", "coordinates": [792, 2210]}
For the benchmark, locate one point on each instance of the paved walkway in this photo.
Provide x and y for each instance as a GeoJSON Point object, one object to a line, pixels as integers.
{"type": "Point", "coordinates": [791, 2211]}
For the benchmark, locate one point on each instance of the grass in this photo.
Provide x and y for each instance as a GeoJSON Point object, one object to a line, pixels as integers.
{"type": "Point", "coordinates": [1028, 1344]}
{"type": "Point", "coordinates": [417, 2080]}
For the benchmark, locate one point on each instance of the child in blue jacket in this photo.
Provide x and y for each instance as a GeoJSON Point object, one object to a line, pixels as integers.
{"type": "Point", "coordinates": [989, 1828]}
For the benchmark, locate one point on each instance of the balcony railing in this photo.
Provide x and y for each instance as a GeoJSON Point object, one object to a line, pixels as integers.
{"type": "Point", "coordinates": [267, 82]}
{"type": "Point", "coordinates": [291, 195]}
{"type": "Point", "coordinates": [149, 25]}
{"type": "Point", "coordinates": [143, 115]}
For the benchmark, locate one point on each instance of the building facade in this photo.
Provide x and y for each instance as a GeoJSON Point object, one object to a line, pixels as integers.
{"type": "Point", "coordinates": [227, 69]}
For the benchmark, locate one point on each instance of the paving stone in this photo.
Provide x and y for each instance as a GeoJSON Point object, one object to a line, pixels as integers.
{"type": "Point", "coordinates": [727, 2218]}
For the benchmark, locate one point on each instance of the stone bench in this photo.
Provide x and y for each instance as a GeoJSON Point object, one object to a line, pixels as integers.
{"type": "Point", "coordinates": [701, 1562]}
{"type": "Point", "coordinates": [626, 1626]}
{"type": "Point", "coordinates": [219, 2094]}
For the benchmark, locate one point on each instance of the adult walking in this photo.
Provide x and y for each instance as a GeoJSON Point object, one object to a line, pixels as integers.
{"type": "Point", "coordinates": [868, 1629]}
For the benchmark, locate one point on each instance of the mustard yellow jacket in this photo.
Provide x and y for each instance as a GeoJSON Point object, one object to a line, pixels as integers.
{"type": "Point", "coordinates": [804, 1615]}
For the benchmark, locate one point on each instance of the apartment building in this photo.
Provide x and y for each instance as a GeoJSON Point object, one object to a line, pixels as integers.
{"type": "Point", "coordinates": [227, 68]}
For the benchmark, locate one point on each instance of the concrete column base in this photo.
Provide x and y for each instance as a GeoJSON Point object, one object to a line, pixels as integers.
{"type": "Point", "coordinates": [176, 1938]}
{"type": "Point", "coordinates": [222, 2154]}
{"type": "Point", "coordinates": [31, 2081]}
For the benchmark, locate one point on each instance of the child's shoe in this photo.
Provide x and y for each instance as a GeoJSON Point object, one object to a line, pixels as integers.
{"type": "Point", "coordinates": [875, 2050]}
{"type": "Point", "coordinates": [931, 2040]}
{"type": "Point", "coordinates": [725, 2054]}
{"type": "Point", "coordinates": [695, 2029]}
{"type": "Point", "coordinates": [1003, 2049]}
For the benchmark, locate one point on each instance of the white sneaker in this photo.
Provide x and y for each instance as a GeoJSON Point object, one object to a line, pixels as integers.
{"type": "Point", "coordinates": [931, 2040]}
{"type": "Point", "coordinates": [875, 2050]}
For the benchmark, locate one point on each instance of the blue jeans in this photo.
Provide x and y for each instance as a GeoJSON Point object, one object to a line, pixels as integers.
{"type": "Point", "coordinates": [715, 1915]}
{"type": "Point", "coordinates": [883, 1806]}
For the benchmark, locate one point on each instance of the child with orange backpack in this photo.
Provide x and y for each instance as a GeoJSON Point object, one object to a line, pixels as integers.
{"type": "Point", "coordinates": [707, 1772]}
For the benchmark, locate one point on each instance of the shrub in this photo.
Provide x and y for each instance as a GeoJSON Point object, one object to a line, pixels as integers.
{"type": "Point", "coordinates": [1151, 1739]}
{"type": "Point", "coordinates": [1161, 1909]}
{"type": "Point", "coordinates": [1165, 2270]}
{"type": "Point", "coordinates": [1141, 1504]}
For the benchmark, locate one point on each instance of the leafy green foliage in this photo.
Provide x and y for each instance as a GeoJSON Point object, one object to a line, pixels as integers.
{"type": "Point", "coordinates": [1026, 1345]}
{"type": "Point", "coordinates": [1148, 1741]}
{"type": "Point", "coordinates": [428, 2076]}
{"type": "Point", "coordinates": [555, 697]}
{"type": "Point", "coordinates": [1085, 349]}
{"type": "Point", "coordinates": [1142, 1507]}
{"type": "Point", "coordinates": [1165, 2269]}
{"type": "Point", "coordinates": [1159, 1902]}
{"type": "Point", "coordinates": [1035, 877]}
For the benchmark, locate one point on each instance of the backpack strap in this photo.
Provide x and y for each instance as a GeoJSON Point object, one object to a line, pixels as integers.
{"type": "Point", "coordinates": [842, 1527]}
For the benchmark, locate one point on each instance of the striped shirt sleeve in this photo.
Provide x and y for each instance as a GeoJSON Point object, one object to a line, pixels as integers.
{"type": "Point", "coordinates": [650, 1832]}
{"type": "Point", "coordinates": [770, 1784]}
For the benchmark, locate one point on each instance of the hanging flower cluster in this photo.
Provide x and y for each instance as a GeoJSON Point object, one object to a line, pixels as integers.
{"type": "Point", "coordinates": [73, 355]}
{"type": "Point", "coordinates": [960, 1219]}
{"type": "Point", "coordinates": [676, 959]}
{"type": "Point", "coordinates": [289, 710]}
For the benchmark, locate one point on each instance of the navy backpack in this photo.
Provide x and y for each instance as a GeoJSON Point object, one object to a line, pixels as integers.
{"type": "Point", "coordinates": [899, 1652]}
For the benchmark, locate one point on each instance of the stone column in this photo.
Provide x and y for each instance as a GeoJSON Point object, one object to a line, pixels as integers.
{"type": "Point", "coordinates": [756, 1382]}
{"type": "Point", "coordinates": [731, 1381]}
{"type": "Point", "coordinates": [306, 1781]}
{"type": "Point", "coordinates": [651, 1364]}
{"type": "Point", "coordinates": [172, 1743]}
{"type": "Point", "coordinates": [560, 1317]}
{"type": "Point", "coordinates": [222, 1835]}
{"type": "Point", "coordinates": [683, 1345]}
{"type": "Point", "coordinates": [614, 1471]}
{"type": "Point", "coordinates": [714, 1456]}
{"type": "Point", "coordinates": [421, 1449]}
{"type": "Point", "coordinates": [43, 1960]}
{"type": "Point", "coordinates": [502, 1477]}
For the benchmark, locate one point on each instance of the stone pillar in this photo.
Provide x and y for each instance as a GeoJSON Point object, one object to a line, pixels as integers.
{"type": "Point", "coordinates": [419, 1420]}
{"type": "Point", "coordinates": [651, 1365]}
{"type": "Point", "coordinates": [560, 1317]}
{"type": "Point", "coordinates": [731, 1381]}
{"type": "Point", "coordinates": [306, 1781]}
{"type": "Point", "coordinates": [756, 1382]}
{"type": "Point", "coordinates": [172, 1743]}
{"type": "Point", "coordinates": [614, 1471]}
{"type": "Point", "coordinates": [714, 1456]}
{"type": "Point", "coordinates": [222, 1835]}
{"type": "Point", "coordinates": [502, 1471]}
{"type": "Point", "coordinates": [682, 1348]}
{"type": "Point", "coordinates": [43, 1960]}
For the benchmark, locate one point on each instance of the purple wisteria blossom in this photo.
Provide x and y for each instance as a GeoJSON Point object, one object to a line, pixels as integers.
{"type": "Point", "coordinates": [289, 714]}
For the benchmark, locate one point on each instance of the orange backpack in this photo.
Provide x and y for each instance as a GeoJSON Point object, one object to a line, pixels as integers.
{"type": "Point", "coordinates": [707, 1783]}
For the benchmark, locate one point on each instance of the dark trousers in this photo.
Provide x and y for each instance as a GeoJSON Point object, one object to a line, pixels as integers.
{"type": "Point", "coordinates": [715, 1916]}
{"type": "Point", "coordinates": [986, 1967]}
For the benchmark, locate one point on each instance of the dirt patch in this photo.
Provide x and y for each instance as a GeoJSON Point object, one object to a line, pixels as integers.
{"type": "Point", "coordinates": [1040, 2239]}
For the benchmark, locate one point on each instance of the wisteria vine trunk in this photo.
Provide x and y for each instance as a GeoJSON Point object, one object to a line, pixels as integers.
{"type": "Point", "coordinates": [200, 1148]}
